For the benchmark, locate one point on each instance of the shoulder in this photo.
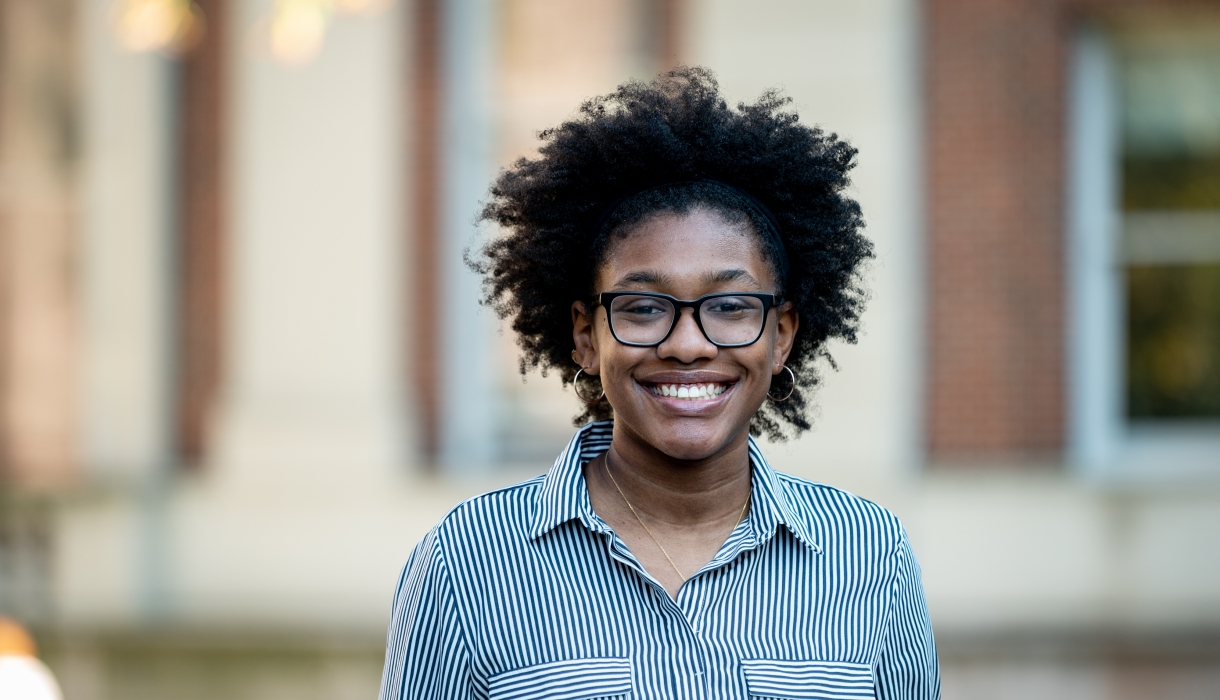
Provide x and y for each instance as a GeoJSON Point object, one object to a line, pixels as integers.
{"type": "Point", "coordinates": [838, 517]}
{"type": "Point", "coordinates": [493, 516]}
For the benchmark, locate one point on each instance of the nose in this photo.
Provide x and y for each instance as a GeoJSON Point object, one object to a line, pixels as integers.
{"type": "Point", "coordinates": [686, 343]}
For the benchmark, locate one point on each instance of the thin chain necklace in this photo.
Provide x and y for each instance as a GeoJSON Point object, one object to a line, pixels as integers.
{"type": "Point", "coordinates": [606, 465]}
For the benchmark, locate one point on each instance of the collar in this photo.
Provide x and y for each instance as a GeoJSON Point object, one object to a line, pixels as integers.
{"type": "Point", "coordinates": [564, 495]}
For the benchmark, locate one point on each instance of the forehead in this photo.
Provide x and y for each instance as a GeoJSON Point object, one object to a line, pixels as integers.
{"type": "Point", "coordinates": [686, 249]}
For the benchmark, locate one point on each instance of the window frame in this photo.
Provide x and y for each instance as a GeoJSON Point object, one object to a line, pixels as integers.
{"type": "Point", "coordinates": [1103, 442]}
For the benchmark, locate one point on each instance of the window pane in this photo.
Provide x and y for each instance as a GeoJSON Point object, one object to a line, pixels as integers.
{"type": "Point", "coordinates": [1171, 95]}
{"type": "Point", "coordinates": [1171, 228]}
{"type": "Point", "coordinates": [1173, 368]}
{"type": "Point", "coordinates": [1171, 122]}
{"type": "Point", "coordinates": [1171, 181]}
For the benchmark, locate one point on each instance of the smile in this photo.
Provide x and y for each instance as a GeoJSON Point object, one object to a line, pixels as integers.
{"type": "Point", "coordinates": [690, 392]}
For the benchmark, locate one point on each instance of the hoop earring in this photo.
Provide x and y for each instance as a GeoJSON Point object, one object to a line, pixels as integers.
{"type": "Point", "coordinates": [582, 397]}
{"type": "Point", "coordinates": [791, 389]}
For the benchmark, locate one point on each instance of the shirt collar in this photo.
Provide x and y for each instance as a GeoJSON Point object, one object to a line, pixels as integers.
{"type": "Point", "coordinates": [564, 495]}
{"type": "Point", "coordinates": [771, 505]}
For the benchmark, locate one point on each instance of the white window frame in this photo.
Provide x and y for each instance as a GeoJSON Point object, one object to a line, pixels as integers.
{"type": "Point", "coordinates": [1102, 442]}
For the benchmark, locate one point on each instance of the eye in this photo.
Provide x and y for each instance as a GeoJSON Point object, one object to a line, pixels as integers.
{"type": "Point", "coordinates": [727, 306]}
{"type": "Point", "coordinates": [732, 309]}
{"type": "Point", "coordinates": [639, 309]}
{"type": "Point", "coordinates": [643, 309]}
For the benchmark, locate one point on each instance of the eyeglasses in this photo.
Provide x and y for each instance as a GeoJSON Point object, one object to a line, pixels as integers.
{"type": "Point", "coordinates": [727, 320]}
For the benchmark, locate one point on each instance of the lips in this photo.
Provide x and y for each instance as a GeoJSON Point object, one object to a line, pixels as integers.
{"type": "Point", "coordinates": [701, 391]}
{"type": "Point", "coordinates": [689, 388]}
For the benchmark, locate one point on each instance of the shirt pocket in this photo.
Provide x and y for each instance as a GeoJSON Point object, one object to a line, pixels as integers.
{"type": "Point", "coordinates": [808, 680]}
{"type": "Point", "coordinates": [577, 679]}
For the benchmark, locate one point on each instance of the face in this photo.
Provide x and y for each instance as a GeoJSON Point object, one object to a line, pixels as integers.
{"type": "Point", "coordinates": [686, 257]}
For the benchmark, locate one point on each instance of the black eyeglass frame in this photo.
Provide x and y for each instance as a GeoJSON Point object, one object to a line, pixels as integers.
{"type": "Point", "coordinates": [769, 301]}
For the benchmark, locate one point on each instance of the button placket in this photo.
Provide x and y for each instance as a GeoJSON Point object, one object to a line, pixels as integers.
{"type": "Point", "coordinates": [691, 602]}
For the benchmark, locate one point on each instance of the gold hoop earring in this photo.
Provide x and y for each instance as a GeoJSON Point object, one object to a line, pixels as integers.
{"type": "Point", "coordinates": [582, 397]}
{"type": "Point", "coordinates": [791, 389]}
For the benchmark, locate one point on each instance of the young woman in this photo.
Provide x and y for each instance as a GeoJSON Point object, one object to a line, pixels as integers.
{"type": "Point", "coordinates": [682, 264]}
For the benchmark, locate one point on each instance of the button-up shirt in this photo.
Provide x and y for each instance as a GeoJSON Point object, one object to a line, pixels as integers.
{"type": "Point", "coordinates": [526, 593]}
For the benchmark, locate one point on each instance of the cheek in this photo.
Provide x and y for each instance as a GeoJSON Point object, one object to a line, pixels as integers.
{"type": "Point", "coordinates": [613, 357]}
{"type": "Point", "coordinates": [759, 361]}
{"type": "Point", "coordinates": [761, 352]}
{"type": "Point", "coordinates": [758, 365]}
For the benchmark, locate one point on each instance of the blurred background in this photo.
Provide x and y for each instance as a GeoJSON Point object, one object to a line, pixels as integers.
{"type": "Point", "coordinates": [243, 369]}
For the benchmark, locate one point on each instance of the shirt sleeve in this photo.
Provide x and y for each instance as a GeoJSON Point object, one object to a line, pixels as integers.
{"type": "Point", "coordinates": [907, 668]}
{"type": "Point", "coordinates": [426, 654]}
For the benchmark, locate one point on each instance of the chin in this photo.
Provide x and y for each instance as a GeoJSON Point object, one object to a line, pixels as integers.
{"type": "Point", "coordinates": [688, 439]}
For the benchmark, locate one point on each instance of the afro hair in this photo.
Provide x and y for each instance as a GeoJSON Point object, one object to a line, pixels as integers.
{"type": "Point", "coordinates": [671, 145]}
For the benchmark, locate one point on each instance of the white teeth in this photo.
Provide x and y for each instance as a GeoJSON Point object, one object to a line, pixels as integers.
{"type": "Point", "coordinates": [689, 391]}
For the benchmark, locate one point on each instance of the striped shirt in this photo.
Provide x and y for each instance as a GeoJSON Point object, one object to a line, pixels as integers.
{"type": "Point", "coordinates": [525, 593]}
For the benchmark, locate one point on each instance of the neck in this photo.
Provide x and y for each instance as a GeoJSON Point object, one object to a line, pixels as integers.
{"type": "Point", "coordinates": [683, 493]}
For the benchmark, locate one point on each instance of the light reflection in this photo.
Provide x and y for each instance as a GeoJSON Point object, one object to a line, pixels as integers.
{"type": "Point", "coordinates": [298, 27]}
{"type": "Point", "coordinates": [22, 675]}
{"type": "Point", "coordinates": [361, 7]}
{"type": "Point", "coordinates": [167, 26]}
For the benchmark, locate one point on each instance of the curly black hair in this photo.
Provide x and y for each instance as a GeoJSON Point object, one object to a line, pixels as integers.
{"type": "Point", "coordinates": [671, 145]}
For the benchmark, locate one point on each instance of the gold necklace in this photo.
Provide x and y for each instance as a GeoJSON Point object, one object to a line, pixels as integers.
{"type": "Point", "coordinates": [606, 466]}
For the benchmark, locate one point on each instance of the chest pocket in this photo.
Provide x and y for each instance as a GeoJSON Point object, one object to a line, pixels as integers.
{"type": "Point", "coordinates": [577, 679]}
{"type": "Point", "coordinates": [808, 680]}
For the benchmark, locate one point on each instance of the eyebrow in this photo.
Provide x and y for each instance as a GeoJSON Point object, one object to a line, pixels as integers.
{"type": "Point", "coordinates": [736, 275]}
{"type": "Point", "coordinates": [653, 277]}
{"type": "Point", "coordinates": [642, 277]}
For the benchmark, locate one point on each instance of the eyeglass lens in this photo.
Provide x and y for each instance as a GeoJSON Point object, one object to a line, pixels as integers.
{"type": "Point", "coordinates": [726, 320]}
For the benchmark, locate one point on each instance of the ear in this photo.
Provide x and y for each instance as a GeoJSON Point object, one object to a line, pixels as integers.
{"type": "Point", "coordinates": [786, 323]}
{"type": "Point", "coordinates": [585, 339]}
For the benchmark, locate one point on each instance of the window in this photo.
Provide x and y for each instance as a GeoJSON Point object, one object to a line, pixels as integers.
{"type": "Point", "coordinates": [1170, 107]}
{"type": "Point", "coordinates": [1145, 251]}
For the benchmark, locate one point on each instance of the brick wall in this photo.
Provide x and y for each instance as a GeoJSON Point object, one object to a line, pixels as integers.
{"type": "Point", "coordinates": [995, 153]}
{"type": "Point", "coordinates": [38, 211]}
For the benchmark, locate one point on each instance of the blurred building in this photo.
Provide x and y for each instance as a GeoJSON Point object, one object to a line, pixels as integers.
{"type": "Point", "coordinates": [243, 368]}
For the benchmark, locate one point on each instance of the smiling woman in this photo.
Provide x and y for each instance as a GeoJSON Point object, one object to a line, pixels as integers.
{"type": "Point", "coordinates": [683, 265]}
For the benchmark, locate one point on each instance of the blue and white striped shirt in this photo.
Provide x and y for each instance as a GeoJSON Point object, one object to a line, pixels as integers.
{"type": "Point", "coordinates": [525, 593]}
